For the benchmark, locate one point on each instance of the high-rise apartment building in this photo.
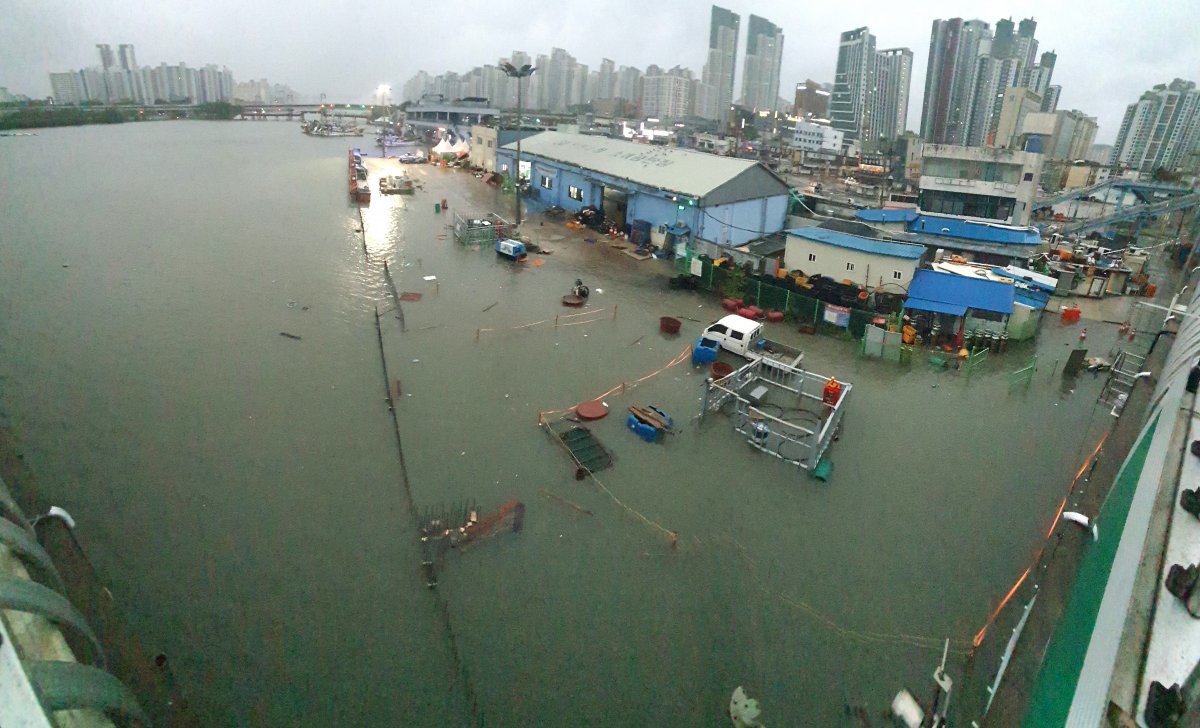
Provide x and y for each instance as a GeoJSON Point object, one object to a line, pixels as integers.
{"type": "Point", "coordinates": [953, 53]}
{"type": "Point", "coordinates": [126, 57]}
{"type": "Point", "coordinates": [720, 65]}
{"type": "Point", "coordinates": [889, 94]}
{"type": "Point", "coordinates": [1050, 100]}
{"type": "Point", "coordinates": [667, 95]}
{"type": "Point", "coordinates": [850, 106]}
{"type": "Point", "coordinates": [760, 72]}
{"type": "Point", "coordinates": [1161, 129]}
{"type": "Point", "coordinates": [970, 68]}
{"type": "Point", "coordinates": [67, 88]}
{"type": "Point", "coordinates": [606, 80]}
{"type": "Point", "coordinates": [629, 84]}
{"type": "Point", "coordinates": [107, 60]}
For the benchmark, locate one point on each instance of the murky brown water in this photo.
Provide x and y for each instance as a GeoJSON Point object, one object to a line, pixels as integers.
{"type": "Point", "coordinates": [240, 490]}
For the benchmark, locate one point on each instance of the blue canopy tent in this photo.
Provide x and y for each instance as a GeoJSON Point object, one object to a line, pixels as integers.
{"type": "Point", "coordinates": [934, 292]}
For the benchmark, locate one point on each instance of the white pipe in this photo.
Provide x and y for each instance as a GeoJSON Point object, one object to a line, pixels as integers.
{"type": "Point", "coordinates": [1143, 375]}
{"type": "Point", "coordinates": [1084, 521]}
{"type": "Point", "coordinates": [56, 512]}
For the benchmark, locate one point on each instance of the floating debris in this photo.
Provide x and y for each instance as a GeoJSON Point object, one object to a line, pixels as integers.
{"type": "Point", "coordinates": [489, 308]}
{"type": "Point", "coordinates": [290, 336]}
{"type": "Point", "coordinates": [409, 296]}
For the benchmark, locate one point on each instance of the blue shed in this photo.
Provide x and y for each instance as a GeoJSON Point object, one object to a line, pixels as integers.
{"type": "Point", "coordinates": [722, 200]}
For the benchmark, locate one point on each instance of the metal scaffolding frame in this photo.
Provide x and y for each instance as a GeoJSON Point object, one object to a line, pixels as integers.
{"type": "Point", "coordinates": [801, 437]}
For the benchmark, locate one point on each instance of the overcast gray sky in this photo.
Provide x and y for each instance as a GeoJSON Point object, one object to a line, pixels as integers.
{"type": "Point", "coordinates": [1109, 51]}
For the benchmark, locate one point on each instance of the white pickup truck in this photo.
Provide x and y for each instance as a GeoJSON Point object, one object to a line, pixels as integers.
{"type": "Point", "coordinates": [743, 336]}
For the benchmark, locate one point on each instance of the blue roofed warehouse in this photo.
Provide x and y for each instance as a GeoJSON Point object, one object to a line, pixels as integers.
{"type": "Point", "coordinates": [723, 200]}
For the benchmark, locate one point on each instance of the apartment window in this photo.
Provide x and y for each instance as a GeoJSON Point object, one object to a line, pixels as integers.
{"type": "Point", "coordinates": [897, 275]}
{"type": "Point", "coordinates": [1029, 176]}
{"type": "Point", "coordinates": [812, 257]}
{"type": "Point", "coordinates": [547, 183]}
{"type": "Point", "coordinates": [575, 193]}
{"type": "Point", "coordinates": [849, 266]}
{"type": "Point", "coordinates": [490, 143]}
{"type": "Point", "coordinates": [479, 140]}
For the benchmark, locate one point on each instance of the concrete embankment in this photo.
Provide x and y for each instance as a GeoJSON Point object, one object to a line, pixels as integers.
{"type": "Point", "coordinates": [146, 672]}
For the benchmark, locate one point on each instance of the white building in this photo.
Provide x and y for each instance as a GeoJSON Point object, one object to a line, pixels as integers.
{"type": "Point", "coordinates": [483, 147]}
{"type": "Point", "coordinates": [980, 182]}
{"type": "Point", "coordinates": [838, 255]}
{"type": "Point", "coordinates": [811, 137]}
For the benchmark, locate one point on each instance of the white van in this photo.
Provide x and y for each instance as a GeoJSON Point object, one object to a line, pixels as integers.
{"type": "Point", "coordinates": [735, 333]}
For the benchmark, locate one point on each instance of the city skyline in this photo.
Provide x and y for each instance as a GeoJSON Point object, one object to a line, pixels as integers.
{"type": "Point", "coordinates": [60, 36]}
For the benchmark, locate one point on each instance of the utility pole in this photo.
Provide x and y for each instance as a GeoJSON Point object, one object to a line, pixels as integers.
{"type": "Point", "coordinates": [524, 71]}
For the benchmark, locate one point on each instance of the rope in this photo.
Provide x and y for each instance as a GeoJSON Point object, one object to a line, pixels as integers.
{"type": "Point", "coordinates": [979, 636]}
{"type": "Point", "coordinates": [866, 636]}
{"type": "Point", "coordinates": [622, 387]}
{"type": "Point", "coordinates": [672, 536]}
{"type": "Point", "coordinates": [555, 321]}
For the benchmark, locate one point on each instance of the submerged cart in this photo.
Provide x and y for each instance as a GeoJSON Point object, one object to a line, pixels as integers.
{"type": "Point", "coordinates": [585, 449]}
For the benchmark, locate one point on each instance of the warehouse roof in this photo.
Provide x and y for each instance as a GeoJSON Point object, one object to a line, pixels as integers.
{"type": "Point", "coordinates": [978, 230]}
{"type": "Point", "coordinates": [950, 293]}
{"type": "Point", "coordinates": [854, 242]}
{"type": "Point", "coordinates": [708, 177]}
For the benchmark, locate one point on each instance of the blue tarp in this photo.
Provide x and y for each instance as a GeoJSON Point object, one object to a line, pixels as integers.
{"type": "Point", "coordinates": [961, 292]}
{"type": "Point", "coordinates": [887, 215]}
{"type": "Point", "coordinates": [1034, 299]}
{"type": "Point", "coordinates": [983, 231]}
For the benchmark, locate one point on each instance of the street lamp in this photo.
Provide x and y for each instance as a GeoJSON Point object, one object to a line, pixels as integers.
{"type": "Point", "coordinates": [512, 71]}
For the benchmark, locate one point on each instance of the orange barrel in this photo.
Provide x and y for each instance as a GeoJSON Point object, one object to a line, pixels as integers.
{"type": "Point", "coordinates": [1151, 290]}
{"type": "Point", "coordinates": [445, 205]}
{"type": "Point", "coordinates": [832, 392]}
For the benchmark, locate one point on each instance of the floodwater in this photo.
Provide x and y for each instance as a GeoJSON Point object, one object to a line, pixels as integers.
{"type": "Point", "coordinates": [241, 491]}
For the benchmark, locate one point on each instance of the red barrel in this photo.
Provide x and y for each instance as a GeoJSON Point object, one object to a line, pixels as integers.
{"type": "Point", "coordinates": [669, 325]}
{"type": "Point", "coordinates": [746, 313]}
{"type": "Point", "coordinates": [720, 369]}
{"type": "Point", "coordinates": [775, 316]}
{"type": "Point", "coordinates": [832, 392]}
{"type": "Point", "coordinates": [729, 304]}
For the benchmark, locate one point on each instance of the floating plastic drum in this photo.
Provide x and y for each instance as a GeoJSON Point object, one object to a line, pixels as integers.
{"type": "Point", "coordinates": [592, 410]}
{"type": "Point", "coordinates": [746, 313]}
{"type": "Point", "coordinates": [669, 325]}
{"type": "Point", "coordinates": [775, 316]}
{"type": "Point", "coordinates": [573, 301]}
{"type": "Point", "coordinates": [729, 304]}
{"type": "Point", "coordinates": [721, 369]}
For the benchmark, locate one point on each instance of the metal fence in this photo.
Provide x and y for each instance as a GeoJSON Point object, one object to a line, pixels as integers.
{"type": "Point", "coordinates": [826, 318]}
{"type": "Point", "coordinates": [480, 230]}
